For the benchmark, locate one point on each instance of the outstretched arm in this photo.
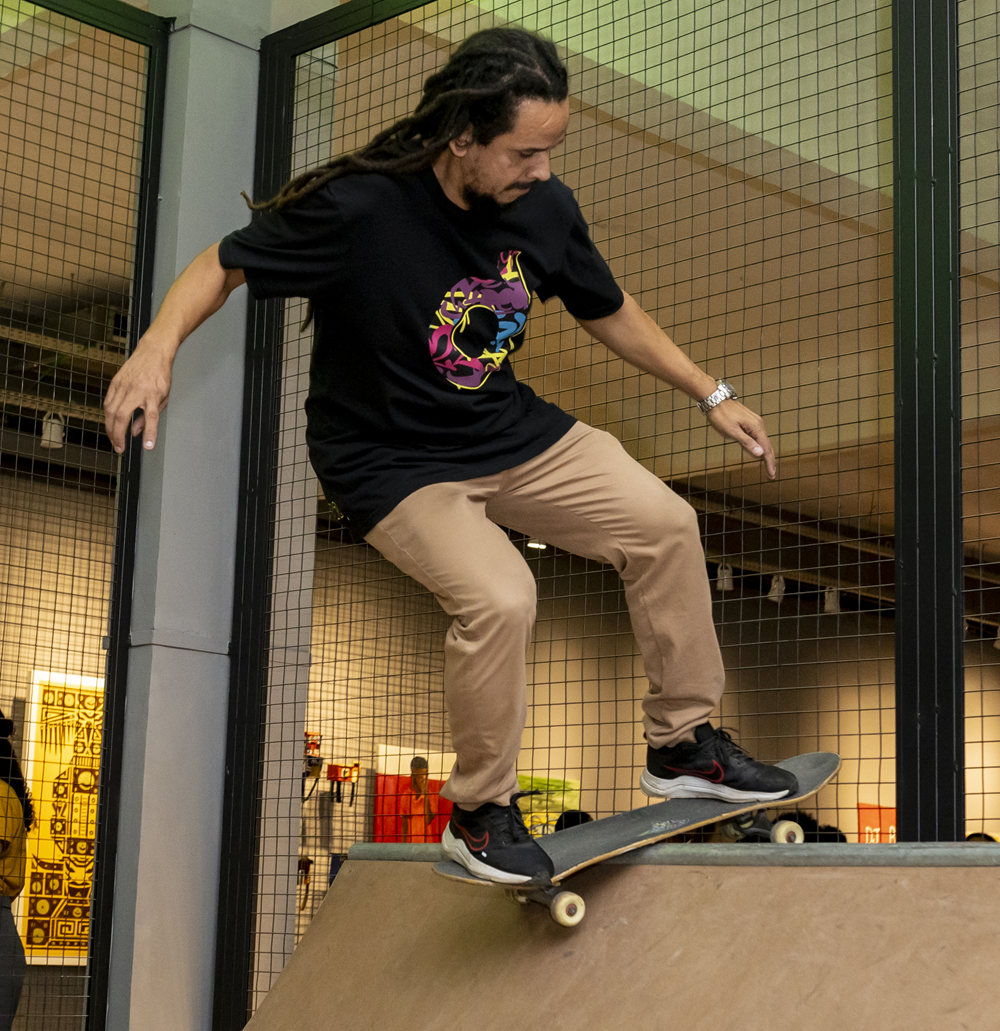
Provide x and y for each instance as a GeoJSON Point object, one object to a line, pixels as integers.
{"type": "Point", "coordinates": [144, 380]}
{"type": "Point", "coordinates": [634, 336]}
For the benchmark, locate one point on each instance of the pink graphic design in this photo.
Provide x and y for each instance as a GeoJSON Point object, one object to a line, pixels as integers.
{"type": "Point", "coordinates": [477, 324]}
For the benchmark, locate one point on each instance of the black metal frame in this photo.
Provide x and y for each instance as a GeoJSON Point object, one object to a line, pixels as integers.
{"type": "Point", "coordinates": [929, 703]}
{"type": "Point", "coordinates": [123, 20]}
{"type": "Point", "coordinates": [930, 781]}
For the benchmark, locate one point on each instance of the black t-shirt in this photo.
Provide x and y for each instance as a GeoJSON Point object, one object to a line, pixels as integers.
{"type": "Point", "coordinates": [417, 304]}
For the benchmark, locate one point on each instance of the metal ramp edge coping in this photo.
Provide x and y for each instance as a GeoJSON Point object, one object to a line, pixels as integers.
{"type": "Point", "coordinates": [903, 854]}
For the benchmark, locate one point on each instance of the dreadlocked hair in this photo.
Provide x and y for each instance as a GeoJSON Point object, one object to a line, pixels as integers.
{"type": "Point", "coordinates": [10, 772]}
{"type": "Point", "coordinates": [481, 86]}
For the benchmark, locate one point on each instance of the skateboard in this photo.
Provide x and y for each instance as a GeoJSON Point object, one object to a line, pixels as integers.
{"type": "Point", "coordinates": [576, 848]}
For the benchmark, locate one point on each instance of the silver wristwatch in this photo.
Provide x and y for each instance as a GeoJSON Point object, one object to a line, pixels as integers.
{"type": "Point", "coordinates": [724, 392]}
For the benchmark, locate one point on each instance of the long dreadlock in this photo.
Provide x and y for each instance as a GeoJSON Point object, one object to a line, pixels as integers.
{"type": "Point", "coordinates": [10, 771]}
{"type": "Point", "coordinates": [481, 86]}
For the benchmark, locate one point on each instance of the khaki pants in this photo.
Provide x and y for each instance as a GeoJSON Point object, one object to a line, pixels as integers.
{"type": "Point", "coordinates": [584, 495]}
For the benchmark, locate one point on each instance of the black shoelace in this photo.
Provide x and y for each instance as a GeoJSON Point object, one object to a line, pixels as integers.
{"type": "Point", "coordinates": [515, 819]}
{"type": "Point", "coordinates": [727, 749]}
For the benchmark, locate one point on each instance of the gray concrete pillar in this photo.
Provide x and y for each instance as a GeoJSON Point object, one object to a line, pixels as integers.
{"type": "Point", "coordinates": [166, 891]}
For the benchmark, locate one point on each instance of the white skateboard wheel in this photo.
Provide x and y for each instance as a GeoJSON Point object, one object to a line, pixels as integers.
{"type": "Point", "coordinates": [787, 832]}
{"type": "Point", "coordinates": [567, 909]}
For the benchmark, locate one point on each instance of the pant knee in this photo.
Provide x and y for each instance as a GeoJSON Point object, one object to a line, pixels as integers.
{"type": "Point", "coordinates": [510, 604]}
{"type": "Point", "coordinates": [669, 520]}
{"type": "Point", "coordinates": [686, 521]}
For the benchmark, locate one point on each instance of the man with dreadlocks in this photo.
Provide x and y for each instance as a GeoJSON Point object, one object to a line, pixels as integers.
{"type": "Point", "coordinates": [419, 255]}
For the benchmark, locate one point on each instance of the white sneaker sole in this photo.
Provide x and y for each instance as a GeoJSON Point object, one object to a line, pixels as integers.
{"type": "Point", "coordinates": [696, 787]}
{"type": "Point", "coordinates": [456, 849]}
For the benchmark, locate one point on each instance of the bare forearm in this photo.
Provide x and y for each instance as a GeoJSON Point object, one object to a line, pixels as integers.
{"type": "Point", "coordinates": [197, 293]}
{"type": "Point", "coordinates": [143, 382]}
{"type": "Point", "coordinates": [634, 336]}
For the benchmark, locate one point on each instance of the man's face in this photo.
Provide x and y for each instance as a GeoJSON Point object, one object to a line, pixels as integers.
{"type": "Point", "coordinates": [496, 175]}
{"type": "Point", "coordinates": [418, 779]}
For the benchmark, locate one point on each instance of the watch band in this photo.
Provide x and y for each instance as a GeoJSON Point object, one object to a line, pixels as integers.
{"type": "Point", "coordinates": [724, 392]}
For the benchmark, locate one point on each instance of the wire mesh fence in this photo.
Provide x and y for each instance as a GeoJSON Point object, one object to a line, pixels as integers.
{"type": "Point", "coordinates": [735, 170]}
{"type": "Point", "coordinates": [71, 122]}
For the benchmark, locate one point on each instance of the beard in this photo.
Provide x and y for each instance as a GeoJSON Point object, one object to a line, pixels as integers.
{"type": "Point", "coordinates": [486, 205]}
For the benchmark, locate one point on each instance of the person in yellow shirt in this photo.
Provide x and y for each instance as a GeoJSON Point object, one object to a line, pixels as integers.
{"type": "Point", "coordinates": [16, 816]}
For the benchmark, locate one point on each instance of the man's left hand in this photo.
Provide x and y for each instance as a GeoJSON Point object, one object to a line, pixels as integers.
{"type": "Point", "coordinates": [736, 421]}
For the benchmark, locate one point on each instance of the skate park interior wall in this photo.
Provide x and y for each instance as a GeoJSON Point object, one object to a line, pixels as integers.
{"type": "Point", "coordinates": [56, 555]}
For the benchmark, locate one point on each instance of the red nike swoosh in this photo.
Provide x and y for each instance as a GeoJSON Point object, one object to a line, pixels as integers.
{"type": "Point", "coordinates": [476, 844]}
{"type": "Point", "coordinates": [714, 776]}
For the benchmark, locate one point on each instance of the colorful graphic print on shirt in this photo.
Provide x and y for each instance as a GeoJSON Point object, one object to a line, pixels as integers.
{"type": "Point", "coordinates": [479, 322]}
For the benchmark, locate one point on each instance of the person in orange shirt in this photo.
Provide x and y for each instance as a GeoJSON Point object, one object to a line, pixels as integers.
{"type": "Point", "coordinates": [418, 813]}
{"type": "Point", "coordinates": [16, 817]}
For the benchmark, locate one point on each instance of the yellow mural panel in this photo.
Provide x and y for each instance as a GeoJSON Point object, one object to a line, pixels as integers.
{"type": "Point", "coordinates": [62, 757]}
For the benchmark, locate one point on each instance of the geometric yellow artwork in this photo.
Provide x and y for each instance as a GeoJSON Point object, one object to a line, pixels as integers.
{"type": "Point", "coordinates": [62, 738]}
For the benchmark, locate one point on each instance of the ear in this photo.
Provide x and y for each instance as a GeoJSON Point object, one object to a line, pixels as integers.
{"type": "Point", "coordinates": [460, 145]}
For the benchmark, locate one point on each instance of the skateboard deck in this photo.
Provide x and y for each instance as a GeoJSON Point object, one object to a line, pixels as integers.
{"type": "Point", "coordinates": [576, 848]}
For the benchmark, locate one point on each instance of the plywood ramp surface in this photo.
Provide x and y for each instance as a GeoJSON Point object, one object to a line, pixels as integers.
{"type": "Point", "coordinates": [679, 948]}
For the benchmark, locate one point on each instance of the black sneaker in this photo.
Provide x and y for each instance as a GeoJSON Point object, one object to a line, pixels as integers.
{"type": "Point", "coordinates": [492, 842]}
{"type": "Point", "coordinates": [713, 767]}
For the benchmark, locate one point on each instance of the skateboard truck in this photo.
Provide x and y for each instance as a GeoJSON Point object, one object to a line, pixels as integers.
{"type": "Point", "coordinates": [755, 826]}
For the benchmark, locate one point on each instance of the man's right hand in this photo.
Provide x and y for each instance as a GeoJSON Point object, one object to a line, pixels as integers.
{"type": "Point", "coordinates": [143, 382]}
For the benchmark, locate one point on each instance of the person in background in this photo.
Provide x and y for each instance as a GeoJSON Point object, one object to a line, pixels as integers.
{"type": "Point", "coordinates": [16, 816]}
{"type": "Point", "coordinates": [416, 808]}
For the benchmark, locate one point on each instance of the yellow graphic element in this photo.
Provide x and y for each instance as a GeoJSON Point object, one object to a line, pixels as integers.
{"type": "Point", "coordinates": [508, 300]}
{"type": "Point", "coordinates": [62, 756]}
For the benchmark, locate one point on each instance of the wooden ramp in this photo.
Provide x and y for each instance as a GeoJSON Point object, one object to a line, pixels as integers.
{"type": "Point", "coordinates": [685, 947]}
